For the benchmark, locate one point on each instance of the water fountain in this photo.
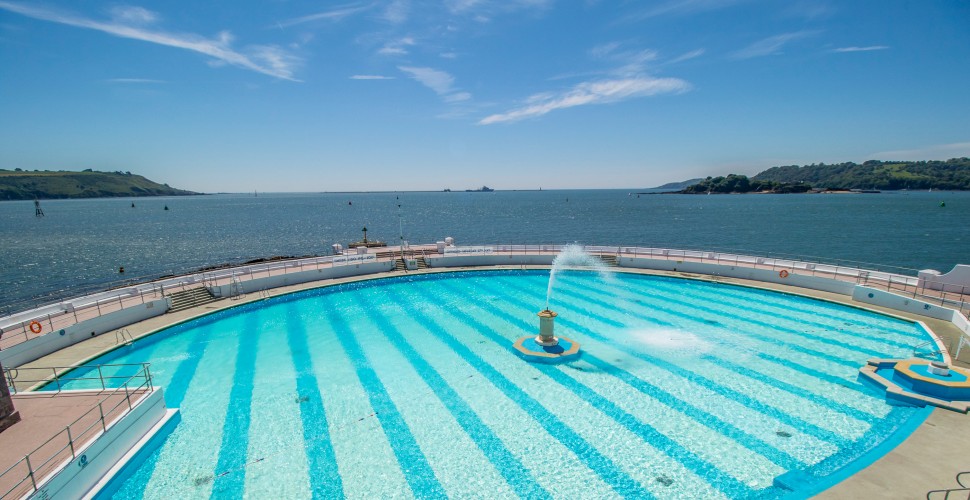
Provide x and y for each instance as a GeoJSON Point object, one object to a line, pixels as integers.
{"type": "Point", "coordinates": [546, 347]}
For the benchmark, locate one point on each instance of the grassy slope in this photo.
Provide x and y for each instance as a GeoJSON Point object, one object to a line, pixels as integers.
{"type": "Point", "coordinates": [950, 174]}
{"type": "Point", "coordinates": [65, 184]}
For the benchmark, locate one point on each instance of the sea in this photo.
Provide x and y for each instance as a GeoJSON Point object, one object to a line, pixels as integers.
{"type": "Point", "coordinates": [80, 246]}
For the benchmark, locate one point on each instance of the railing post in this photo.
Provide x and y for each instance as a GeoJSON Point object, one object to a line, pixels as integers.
{"type": "Point", "coordinates": [101, 377]}
{"type": "Point", "coordinates": [127, 396]}
{"type": "Point", "coordinates": [104, 426]}
{"type": "Point", "coordinates": [70, 441]}
{"type": "Point", "coordinates": [30, 472]}
{"type": "Point", "coordinates": [49, 322]}
{"type": "Point", "coordinates": [56, 378]}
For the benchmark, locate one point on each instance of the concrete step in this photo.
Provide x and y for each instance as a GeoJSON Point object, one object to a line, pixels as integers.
{"type": "Point", "coordinates": [191, 298]}
{"type": "Point", "coordinates": [609, 260]}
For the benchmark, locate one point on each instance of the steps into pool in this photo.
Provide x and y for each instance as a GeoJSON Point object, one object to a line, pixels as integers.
{"type": "Point", "coordinates": [919, 382]}
{"type": "Point", "coordinates": [191, 298]}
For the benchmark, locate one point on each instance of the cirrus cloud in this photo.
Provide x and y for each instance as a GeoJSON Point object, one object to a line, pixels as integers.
{"type": "Point", "coordinates": [588, 93]}
{"type": "Point", "coordinates": [131, 23]}
{"type": "Point", "coordinates": [860, 49]}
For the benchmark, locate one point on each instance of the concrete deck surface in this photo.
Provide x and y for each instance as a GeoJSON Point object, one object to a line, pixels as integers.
{"type": "Point", "coordinates": [41, 432]}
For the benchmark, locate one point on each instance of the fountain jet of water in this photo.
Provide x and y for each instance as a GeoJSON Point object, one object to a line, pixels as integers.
{"type": "Point", "coordinates": [574, 257]}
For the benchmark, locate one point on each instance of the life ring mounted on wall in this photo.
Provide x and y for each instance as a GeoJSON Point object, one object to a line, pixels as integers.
{"type": "Point", "coordinates": [35, 326]}
{"type": "Point", "coordinates": [783, 273]}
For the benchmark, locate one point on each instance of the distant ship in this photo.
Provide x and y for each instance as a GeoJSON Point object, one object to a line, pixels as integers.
{"type": "Point", "coordinates": [483, 189]}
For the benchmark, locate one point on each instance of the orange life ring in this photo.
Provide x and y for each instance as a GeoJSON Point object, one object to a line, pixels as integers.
{"type": "Point", "coordinates": [35, 327]}
{"type": "Point", "coordinates": [783, 273]}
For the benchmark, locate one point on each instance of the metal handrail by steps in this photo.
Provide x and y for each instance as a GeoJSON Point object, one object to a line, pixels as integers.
{"type": "Point", "coordinates": [946, 492]}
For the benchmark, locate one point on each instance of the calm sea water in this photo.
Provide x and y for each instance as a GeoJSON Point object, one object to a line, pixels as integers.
{"type": "Point", "coordinates": [80, 244]}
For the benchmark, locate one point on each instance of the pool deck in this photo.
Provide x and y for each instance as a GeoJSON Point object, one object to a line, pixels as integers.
{"type": "Point", "coordinates": [929, 459]}
{"type": "Point", "coordinates": [46, 415]}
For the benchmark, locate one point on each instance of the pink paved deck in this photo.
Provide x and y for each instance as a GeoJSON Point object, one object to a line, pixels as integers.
{"type": "Point", "coordinates": [45, 416]}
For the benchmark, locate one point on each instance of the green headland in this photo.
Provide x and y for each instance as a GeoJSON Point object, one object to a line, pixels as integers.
{"type": "Point", "coordinates": [29, 185]}
{"type": "Point", "coordinates": [952, 174]}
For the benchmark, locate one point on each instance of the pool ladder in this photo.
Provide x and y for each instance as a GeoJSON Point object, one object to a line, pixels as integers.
{"type": "Point", "coordinates": [945, 494]}
{"type": "Point", "coordinates": [123, 336]}
{"type": "Point", "coordinates": [236, 289]}
{"type": "Point", "coordinates": [921, 350]}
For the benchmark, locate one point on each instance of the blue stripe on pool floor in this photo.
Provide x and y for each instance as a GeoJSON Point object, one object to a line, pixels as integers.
{"type": "Point", "coordinates": [325, 481]}
{"type": "Point", "coordinates": [619, 480]}
{"type": "Point", "coordinates": [821, 375]}
{"type": "Point", "coordinates": [793, 389]}
{"type": "Point", "coordinates": [410, 458]}
{"type": "Point", "coordinates": [230, 471]}
{"type": "Point", "coordinates": [512, 470]}
{"type": "Point", "coordinates": [177, 387]}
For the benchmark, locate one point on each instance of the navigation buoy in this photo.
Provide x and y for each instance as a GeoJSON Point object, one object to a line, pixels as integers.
{"type": "Point", "coordinates": [121, 269]}
{"type": "Point", "coordinates": [166, 207]}
{"type": "Point", "coordinates": [132, 204]}
{"type": "Point", "coordinates": [350, 203]}
{"type": "Point", "coordinates": [942, 203]}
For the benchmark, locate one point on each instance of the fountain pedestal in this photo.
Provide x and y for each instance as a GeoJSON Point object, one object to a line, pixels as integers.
{"type": "Point", "coordinates": [547, 337]}
{"type": "Point", "coordinates": [546, 347]}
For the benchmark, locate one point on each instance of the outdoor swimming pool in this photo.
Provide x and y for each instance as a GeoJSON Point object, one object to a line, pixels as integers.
{"type": "Point", "coordinates": [410, 387]}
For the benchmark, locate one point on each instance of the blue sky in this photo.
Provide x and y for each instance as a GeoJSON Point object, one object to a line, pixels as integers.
{"type": "Point", "coordinates": [292, 95]}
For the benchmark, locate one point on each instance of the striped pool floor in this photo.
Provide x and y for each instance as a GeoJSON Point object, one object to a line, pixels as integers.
{"type": "Point", "coordinates": [409, 387]}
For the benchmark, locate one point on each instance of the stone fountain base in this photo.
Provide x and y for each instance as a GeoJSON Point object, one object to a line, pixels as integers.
{"type": "Point", "coordinates": [530, 350]}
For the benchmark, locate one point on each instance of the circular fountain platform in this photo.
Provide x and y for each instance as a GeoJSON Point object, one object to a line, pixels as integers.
{"type": "Point", "coordinates": [565, 350]}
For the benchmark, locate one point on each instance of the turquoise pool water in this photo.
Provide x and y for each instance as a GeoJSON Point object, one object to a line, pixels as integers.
{"type": "Point", "coordinates": [409, 387]}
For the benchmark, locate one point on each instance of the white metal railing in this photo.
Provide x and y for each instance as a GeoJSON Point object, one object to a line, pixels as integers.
{"type": "Point", "coordinates": [24, 326]}
{"type": "Point", "coordinates": [21, 327]}
{"type": "Point", "coordinates": [24, 476]}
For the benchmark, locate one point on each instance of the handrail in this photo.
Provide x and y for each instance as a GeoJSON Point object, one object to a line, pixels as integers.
{"type": "Point", "coordinates": [36, 473]}
{"type": "Point", "coordinates": [947, 492]}
{"type": "Point", "coordinates": [961, 482]}
{"type": "Point", "coordinates": [53, 317]}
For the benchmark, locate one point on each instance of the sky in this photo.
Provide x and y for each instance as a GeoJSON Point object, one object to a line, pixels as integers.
{"type": "Point", "coordinates": [400, 95]}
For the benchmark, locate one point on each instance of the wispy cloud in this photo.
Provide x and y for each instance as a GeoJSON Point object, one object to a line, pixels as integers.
{"type": "Point", "coordinates": [687, 56]}
{"type": "Point", "coordinates": [266, 59]}
{"type": "Point", "coordinates": [484, 10]}
{"type": "Point", "coordinates": [371, 77]}
{"type": "Point", "coordinates": [134, 80]}
{"type": "Point", "coordinates": [771, 45]}
{"type": "Point", "coordinates": [933, 152]}
{"type": "Point", "coordinates": [631, 61]}
{"type": "Point", "coordinates": [861, 49]}
{"type": "Point", "coordinates": [396, 47]}
{"type": "Point", "coordinates": [681, 7]}
{"type": "Point", "coordinates": [397, 11]}
{"type": "Point", "coordinates": [133, 15]}
{"type": "Point", "coordinates": [588, 93]}
{"type": "Point", "coordinates": [334, 14]}
{"type": "Point", "coordinates": [439, 81]}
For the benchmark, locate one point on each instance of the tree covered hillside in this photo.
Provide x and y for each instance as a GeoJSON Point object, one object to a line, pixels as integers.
{"type": "Point", "coordinates": [28, 185]}
{"type": "Point", "coordinates": [874, 174]}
